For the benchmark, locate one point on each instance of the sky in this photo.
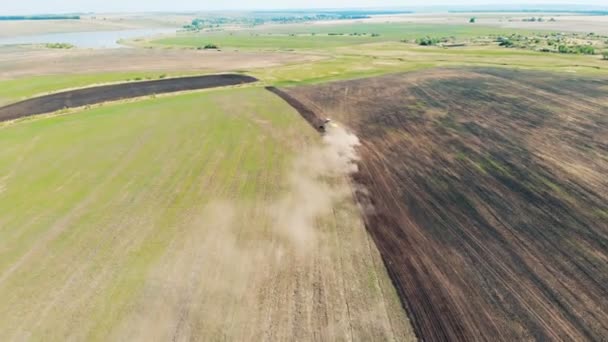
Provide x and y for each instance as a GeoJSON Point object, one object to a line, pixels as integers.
{"type": "Point", "coordinates": [65, 6]}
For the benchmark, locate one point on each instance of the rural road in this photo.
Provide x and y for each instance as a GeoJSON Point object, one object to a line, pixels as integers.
{"type": "Point", "coordinates": [94, 95]}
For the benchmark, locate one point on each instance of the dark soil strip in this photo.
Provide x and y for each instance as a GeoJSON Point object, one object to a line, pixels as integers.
{"type": "Point", "coordinates": [94, 95]}
{"type": "Point", "coordinates": [309, 115]}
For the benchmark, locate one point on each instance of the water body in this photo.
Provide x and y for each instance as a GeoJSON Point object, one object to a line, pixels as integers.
{"type": "Point", "coordinates": [93, 39]}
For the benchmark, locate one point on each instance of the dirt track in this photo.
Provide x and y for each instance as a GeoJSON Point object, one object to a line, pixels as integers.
{"type": "Point", "coordinates": [490, 197]}
{"type": "Point", "coordinates": [89, 96]}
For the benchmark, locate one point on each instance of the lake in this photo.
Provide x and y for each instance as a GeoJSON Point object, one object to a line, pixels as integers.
{"type": "Point", "coordinates": [92, 39]}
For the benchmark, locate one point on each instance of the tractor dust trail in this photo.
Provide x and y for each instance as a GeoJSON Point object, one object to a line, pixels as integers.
{"type": "Point", "coordinates": [215, 277]}
{"type": "Point", "coordinates": [313, 187]}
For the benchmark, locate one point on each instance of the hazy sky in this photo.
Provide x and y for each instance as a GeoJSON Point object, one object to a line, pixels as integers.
{"type": "Point", "coordinates": [62, 6]}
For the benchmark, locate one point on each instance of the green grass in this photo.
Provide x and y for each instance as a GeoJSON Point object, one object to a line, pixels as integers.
{"type": "Point", "coordinates": [91, 200]}
{"type": "Point", "coordinates": [381, 58]}
{"type": "Point", "coordinates": [262, 41]}
{"type": "Point", "coordinates": [398, 31]}
{"type": "Point", "coordinates": [350, 57]}
{"type": "Point", "coordinates": [334, 69]}
{"type": "Point", "coordinates": [279, 37]}
{"type": "Point", "coordinates": [22, 88]}
{"type": "Point", "coordinates": [339, 47]}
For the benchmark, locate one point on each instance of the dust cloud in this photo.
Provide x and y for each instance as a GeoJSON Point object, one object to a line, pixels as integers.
{"type": "Point", "coordinates": [314, 187]}
{"type": "Point", "coordinates": [214, 276]}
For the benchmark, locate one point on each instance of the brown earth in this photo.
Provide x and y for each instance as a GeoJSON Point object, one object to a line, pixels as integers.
{"type": "Point", "coordinates": [22, 61]}
{"type": "Point", "coordinates": [94, 95]}
{"type": "Point", "coordinates": [486, 193]}
{"type": "Point", "coordinates": [308, 114]}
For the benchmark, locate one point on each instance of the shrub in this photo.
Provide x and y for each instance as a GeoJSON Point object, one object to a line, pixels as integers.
{"type": "Point", "coordinates": [586, 50]}
{"type": "Point", "coordinates": [472, 20]}
{"type": "Point", "coordinates": [59, 46]}
{"type": "Point", "coordinates": [605, 55]}
{"type": "Point", "coordinates": [577, 49]}
{"type": "Point", "coordinates": [427, 41]}
{"type": "Point", "coordinates": [208, 47]}
{"type": "Point", "coordinates": [506, 42]}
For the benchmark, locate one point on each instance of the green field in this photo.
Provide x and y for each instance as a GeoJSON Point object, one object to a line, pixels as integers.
{"type": "Point", "coordinates": [98, 204]}
{"type": "Point", "coordinates": [312, 37]}
{"type": "Point", "coordinates": [262, 41]}
{"type": "Point", "coordinates": [100, 195]}
{"type": "Point", "coordinates": [391, 57]}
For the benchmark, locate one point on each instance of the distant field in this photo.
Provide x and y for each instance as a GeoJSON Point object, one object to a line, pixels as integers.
{"type": "Point", "coordinates": [260, 42]}
{"type": "Point", "coordinates": [24, 62]}
{"type": "Point", "coordinates": [489, 195]}
{"type": "Point", "coordinates": [338, 63]}
{"type": "Point", "coordinates": [287, 60]}
{"type": "Point", "coordinates": [354, 56]}
{"type": "Point", "coordinates": [390, 57]}
{"type": "Point", "coordinates": [395, 30]}
{"type": "Point", "coordinates": [153, 219]}
{"type": "Point", "coordinates": [325, 36]}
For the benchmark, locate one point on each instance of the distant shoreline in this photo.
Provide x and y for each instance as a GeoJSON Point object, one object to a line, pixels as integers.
{"type": "Point", "coordinates": [38, 17]}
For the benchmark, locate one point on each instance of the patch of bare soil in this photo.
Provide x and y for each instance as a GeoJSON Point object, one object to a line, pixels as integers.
{"type": "Point", "coordinates": [486, 194]}
{"type": "Point", "coordinates": [18, 62]}
{"type": "Point", "coordinates": [89, 96]}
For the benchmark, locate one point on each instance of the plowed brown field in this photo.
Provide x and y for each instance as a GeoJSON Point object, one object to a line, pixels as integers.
{"type": "Point", "coordinates": [489, 194]}
{"type": "Point", "coordinates": [94, 95]}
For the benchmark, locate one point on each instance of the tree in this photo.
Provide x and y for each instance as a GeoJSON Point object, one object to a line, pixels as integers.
{"type": "Point", "coordinates": [209, 46]}
{"type": "Point", "coordinates": [563, 49]}
{"type": "Point", "coordinates": [59, 46]}
{"type": "Point", "coordinates": [586, 50]}
{"type": "Point", "coordinates": [506, 42]}
{"type": "Point", "coordinates": [472, 20]}
{"type": "Point", "coordinates": [605, 55]}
